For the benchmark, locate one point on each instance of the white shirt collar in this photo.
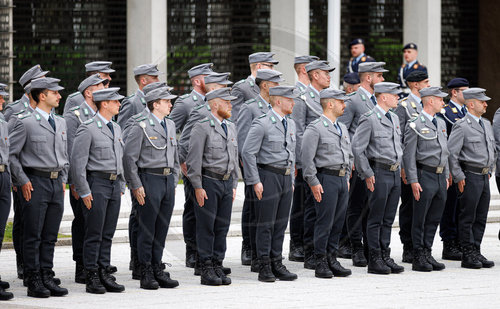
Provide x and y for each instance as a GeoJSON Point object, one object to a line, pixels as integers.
{"type": "Point", "coordinates": [419, 100]}
{"type": "Point", "coordinates": [102, 118]}
{"type": "Point", "coordinates": [43, 113]}
{"type": "Point", "coordinates": [314, 89]}
{"type": "Point", "coordinates": [159, 120]}
{"type": "Point", "coordinates": [412, 63]}
{"type": "Point", "coordinates": [456, 104]}
{"type": "Point", "coordinates": [366, 92]}
{"type": "Point", "coordinates": [217, 119]}
{"type": "Point", "coordinates": [90, 108]}
{"type": "Point", "coordinates": [202, 96]}
{"type": "Point", "coordinates": [277, 115]}
{"type": "Point", "coordinates": [475, 118]}
{"type": "Point", "coordinates": [429, 117]}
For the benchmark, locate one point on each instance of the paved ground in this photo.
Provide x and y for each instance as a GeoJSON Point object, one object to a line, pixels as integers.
{"type": "Point", "coordinates": [454, 287]}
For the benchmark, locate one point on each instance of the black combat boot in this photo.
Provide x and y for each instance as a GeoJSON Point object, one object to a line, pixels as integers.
{"type": "Point", "coordinates": [246, 254]}
{"type": "Point", "coordinates": [163, 277]}
{"type": "Point", "coordinates": [265, 272]}
{"type": "Point", "coordinates": [337, 269]}
{"type": "Point", "coordinates": [469, 258]}
{"type": "Point", "coordinates": [48, 282]}
{"type": "Point", "coordinates": [108, 281]}
{"type": "Point", "coordinates": [309, 260]}
{"type": "Point", "coordinates": [484, 261]}
{"type": "Point", "coordinates": [148, 281]}
{"type": "Point", "coordinates": [4, 295]}
{"type": "Point", "coordinates": [80, 275]}
{"type": "Point", "coordinates": [345, 250]}
{"type": "Point", "coordinates": [296, 253]}
{"type": "Point", "coordinates": [376, 265]}
{"type": "Point", "coordinates": [358, 255]}
{"type": "Point", "coordinates": [4, 284]}
{"type": "Point", "coordinates": [92, 283]}
{"type": "Point", "coordinates": [451, 251]}
{"type": "Point", "coordinates": [395, 268]}
{"type": "Point", "coordinates": [35, 285]}
{"type": "Point", "coordinates": [322, 269]}
{"type": "Point", "coordinates": [408, 253]}
{"type": "Point", "coordinates": [219, 271]}
{"type": "Point", "coordinates": [208, 275]}
{"type": "Point", "coordinates": [280, 272]}
{"type": "Point", "coordinates": [420, 262]}
{"type": "Point", "coordinates": [435, 264]}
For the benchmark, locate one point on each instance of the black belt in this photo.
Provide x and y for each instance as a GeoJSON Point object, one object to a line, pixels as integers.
{"type": "Point", "coordinates": [107, 176]}
{"type": "Point", "coordinates": [432, 169]}
{"type": "Point", "coordinates": [330, 172]}
{"type": "Point", "coordinates": [3, 168]}
{"type": "Point", "coordinates": [475, 169]}
{"type": "Point", "coordinates": [278, 170]}
{"type": "Point", "coordinates": [44, 174]}
{"type": "Point", "coordinates": [217, 176]}
{"type": "Point", "coordinates": [389, 167]}
{"type": "Point", "coordinates": [161, 171]}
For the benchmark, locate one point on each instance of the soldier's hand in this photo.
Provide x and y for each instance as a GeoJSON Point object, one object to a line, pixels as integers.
{"type": "Point", "coordinates": [349, 185]}
{"type": "Point", "coordinates": [461, 185]}
{"type": "Point", "coordinates": [258, 188]}
{"type": "Point", "coordinates": [140, 195]}
{"type": "Point", "coordinates": [201, 196]}
{"type": "Point", "coordinates": [234, 194]}
{"type": "Point", "coordinates": [317, 190]}
{"type": "Point", "coordinates": [403, 176]}
{"type": "Point", "coordinates": [184, 169]}
{"type": "Point", "coordinates": [73, 192]}
{"type": "Point", "coordinates": [87, 201]}
{"type": "Point", "coordinates": [26, 190]}
{"type": "Point", "coordinates": [14, 188]}
{"type": "Point", "coordinates": [296, 171]}
{"type": "Point", "coordinates": [416, 188]}
{"type": "Point", "coordinates": [448, 183]}
{"type": "Point", "coordinates": [370, 183]}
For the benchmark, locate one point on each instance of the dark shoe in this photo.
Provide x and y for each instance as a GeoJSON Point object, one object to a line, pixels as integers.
{"type": "Point", "coordinates": [80, 275]}
{"type": "Point", "coordinates": [111, 269]}
{"type": "Point", "coordinates": [20, 268]}
{"type": "Point", "coordinates": [435, 264]}
{"type": "Point", "coordinates": [469, 259]}
{"type": "Point", "coordinates": [345, 251]}
{"type": "Point", "coordinates": [280, 272]}
{"type": "Point", "coordinates": [107, 281]}
{"type": "Point", "coordinates": [148, 281]}
{"type": "Point", "coordinates": [255, 266]}
{"type": "Point", "coordinates": [35, 285]}
{"type": "Point", "coordinates": [163, 277]}
{"type": "Point", "coordinates": [4, 285]}
{"type": "Point", "coordinates": [265, 271]}
{"type": "Point", "coordinates": [309, 261]}
{"type": "Point", "coordinates": [220, 273]}
{"type": "Point", "coordinates": [451, 251]}
{"type": "Point", "coordinates": [208, 275]}
{"type": "Point", "coordinates": [322, 269]}
{"type": "Point", "coordinates": [337, 269]}
{"type": "Point", "coordinates": [395, 268]}
{"type": "Point", "coordinates": [484, 261]}
{"type": "Point", "coordinates": [48, 282]}
{"type": "Point", "coordinates": [92, 283]}
{"type": "Point", "coordinates": [197, 266]}
{"type": "Point", "coordinates": [246, 254]}
{"type": "Point", "coordinates": [5, 295]}
{"type": "Point", "coordinates": [420, 262]}
{"type": "Point", "coordinates": [376, 265]}
{"type": "Point", "coordinates": [296, 253]}
{"type": "Point", "coordinates": [358, 257]}
{"type": "Point", "coordinates": [190, 258]}
{"type": "Point", "coordinates": [407, 253]}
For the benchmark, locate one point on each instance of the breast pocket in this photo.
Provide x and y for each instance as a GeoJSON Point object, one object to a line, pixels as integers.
{"type": "Point", "coordinates": [476, 143]}
{"type": "Point", "coordinates": [276, 143]}
{"type": "Point", "coordinates": [216, 147]}
{"type": "Point", "coordinates": [39, 142]}
{"type": "Point", "coordinates": [103, 151]}
{"type": "Point", "coordinates": [328, 144]}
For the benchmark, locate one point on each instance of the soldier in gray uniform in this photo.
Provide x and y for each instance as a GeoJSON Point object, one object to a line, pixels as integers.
{"type": "Point", "coordinates": [39, 164]}
{"type": "Point", "coordinates": [185, 103]}
{"type": "Point", "coordinates": [212, 163]}
{"type": "Point", "coordinates": [246, 89]}
{"type": "Point", "coordinates": [307, 109]}
{"type": "Point", "coordinates": [269, 159]}
{"type": "Point", "coordinates": [377, 156]}
{"type": "Point", "coordinates": [426, 163]}
{"type": "Point", "coordinates": [472, 160]}
{"type": "Point", "coordinates": [299, 64]}
{"type": "Point", "coordinates": [359, 103]}
{"type": "Point", "coordinates": [97, 173]}
{"type": "Point", "coordinates": [212, 82]}
{"type": "Point", "coordinates": [4, 186]}
{"type": "Point", "coordinates": [250, 110]}
{"type": "Point", "coordinates": [103, 68]}
{"type": "Point", "coordinates": [408, 108]}
{"type": "Point", "coordinates": [327, 159]}
{"type": "Point", "coordinates": [74, 117]}
{"type": "Point", "coordinates": [151, 167]}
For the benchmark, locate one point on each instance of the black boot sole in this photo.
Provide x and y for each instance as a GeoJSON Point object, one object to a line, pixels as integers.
{"type": "Point", "coordinates": [211, 283]}
{"type": "Point", "coordinates": [6, 296]}
{"type": "Point", "coordinates": [267, 279]}
{"type": "Point", "coordinates": [58, 294]}
{"type": "Point", "coordinates": [471, 266]}
{"type": "Point", "coordinates": [359, 264]}
{"type": "Point", "coordinates": [451, 257]}
{"type": "Point", "coordinates": [323, 276]}
{"type": "Point", "coordinates": [346, 274]}
{"type": "Point", "coordinates": [38, 295]}
{"type": "Point", "coordinates": [149, 287]}
{"type": "Point", "coordinates": [427, 270]}
{"type": "Point", "coordinates": [377, 272]}
{"type": "Point", "coordinates": [93, 291]}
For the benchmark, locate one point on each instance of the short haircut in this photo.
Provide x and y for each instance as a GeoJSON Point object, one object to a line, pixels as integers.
{"type": "Point", "coordinates": [310, 75]}
{"type": "Point", "coordinates": [324, 102]}
{"type": "Point", "coordinates": [138, 78]}
{"type": "Point", "coordinates": [98, 104]}
{"type": "Point", "coordinates": [35, 94]}
{"type": "Point", "coordinates": [272, 100]}
{"type": "Point", "coordinates": [363, 75]}
{"type": "Point", "coordinates": [298, 66]}
{"type": "Point", "coordinates": [150, 104]}
{"type": "Point", "coordinates": [258, 81]}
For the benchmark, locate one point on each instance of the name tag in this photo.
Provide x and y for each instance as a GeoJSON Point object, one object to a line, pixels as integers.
{"type": "Point", "coordinates": [425, 131]}
{"type": "Point", "coordinates": [153, 137]}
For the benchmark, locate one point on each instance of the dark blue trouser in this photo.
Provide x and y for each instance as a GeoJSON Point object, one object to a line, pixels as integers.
{"type": "Point", "coordinates": [132, 225]}
{"type": "Point", "coordinates": [188, 216]}
{"type": "Point", "coordinates": [4, 203]}
{"type": "Point", "coordinates": [309, 220]}
{"type": "Point", "coordinates": [330, 213]}
{"type": "Point", "coordinates": [383, 203]}
{"type": "Point", "coordinates": [427, 211]}
{"type": "Point", "coordinates": [77, 229]}
{"type": "Point", "coordinates": [273, 211]}
{"type": "Point", "coordinates": [297, 213]}
{"type": "Point", "coordinates": [448, 229]}
{"type": "Point", "coordinates": [214, 218]}
{"type": "Point", "coordinates": [406, 214]}
{"type": "Point", "coordinates": [154, 217]}
{"type": "Point", "coordinates": [42, 217]}
{"type": "Point", "coordinates": [18, 224]}
{"type": "Point", "coordinates": [473, 206]}
{"type": "Point", "coordinates": [357, 210]}
{"type": "Point", "coordinates": [100, 221]}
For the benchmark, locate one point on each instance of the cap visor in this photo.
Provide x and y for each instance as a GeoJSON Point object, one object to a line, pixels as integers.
{"type": "Point", "coordinates": [56, 88]}
{"type": "Point", "coordinates": [226, 82]}
{"type": "Point", "coordinates": [484, 98]}
{"type": "Point", "coordinates": [229, 97]}
{"type": "Point", "coordinates": [115, 97]}
{"type": "Point", "coordinates": [272, 61]}
{"type": "Point", "coordinates": [169, 97]}
{"type": "Point", "coordinates": [107, 71]}
{"type": "Point", "coordinates": [3, 93]}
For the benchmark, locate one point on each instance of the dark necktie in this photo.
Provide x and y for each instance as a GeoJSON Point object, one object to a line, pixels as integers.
{"type": "Point", "coordinates": [482, 124]}
{"type": "Point", "coordinates": [464, 110]}
{"type": "Point", "coordinates": [338, 128]}
{"type": "Point", "coordinates": [435, 122]}
{"type": "Point", "coordinates": [224, 127]}
{"type": "Point", "coordinates": [388, 116]}
{"type": "Point", "coordinates": [52, 122]}
{"type": "Point", "coordinates": [110, 126]}
{"type": "Point", "coordinates": [285, 125]}
{"type": "Point", "coordinates": [164, 125]}
{"type": "Point", "coordinates": [374, 101]}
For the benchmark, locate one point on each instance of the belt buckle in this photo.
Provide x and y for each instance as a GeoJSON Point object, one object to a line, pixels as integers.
{"type": "Point", "coordinates": [166, 171]}
{"type": "Point", "coordinates": [287, 171]}
{"type": "Point", "coordinates": [485, 170]}
{"type": "Point", "coordinates": [54, 175]}
{"type": "Point", "coordinates": [226, 176]}
{"type": "Point", "coordinates": [439, 169]}
{"type": "Point", "coordinates": [342, 172]}
{"type": "Point", "coordinates": [394, 167]}
{"type": "Point", "coordinates": [2, 168]}
{"type": "Point", "coordinates": [112, 176]}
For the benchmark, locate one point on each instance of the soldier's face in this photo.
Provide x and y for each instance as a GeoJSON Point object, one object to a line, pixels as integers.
{"type": "Point", "coordinates": [286, 105]}
{"type": "Point", "coordinates": [438, 104]}
{"type": "Point", "coordinates": [224, 108]}
{"type": "Point", "coordinates": [2, 101]}
{"type": "Point", "coordinates": [105, 76]}
{"type": "Point", "coordinates": [477, 107]}
{"type": "Point", "coordinates": [391, 100]}
{"type": "Point", "coordinates": [113, 107]}
{"type": "Point", "coordinates": [357, 49]}
{"type": "Point", "coordinates": [338, 107]}
{"type": "Point", "coordinates": [410, 54]}
{"type": "Point", "coordinates": [149, 79]}
{"type": "Point", "coordinates": [213, 86]}
{"type": "Point", "coordinates": [423, 84]}
{"type": "Point", "coordinates": [377, 78]}
{"type": "Point", "coordinates": [459, 94]}
{"type": "Point", "coordinates": [323, 78]}
{"type": "Point", "coordinates": [52, 98]}
{"type": "Point", "coordinates": [164, 107]}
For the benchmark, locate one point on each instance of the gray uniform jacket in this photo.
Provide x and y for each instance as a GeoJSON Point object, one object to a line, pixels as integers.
{"type": "Point", "coordinates": [95, 150]}
{"type": "Point", "coordinates": [470, 144]}
{"type": "Point", "coordinates": [4, 143]}
{"type": "Point", "coordinates": [496, 133]}
{"type": "Point", "coordinates": [139, 151]}
{"type": "Point", "coordinates": [211, 149]}
{"type": "Point", "coordinates": [34, 144]}
{"type": "Point", "coordinates": [17, 107]}
{"type": "Point", "coordinates": [300, 87]}
{"type": "Point", "coordinates": [431, 152]}
{"type": "Point", "coordinates": [183, 107]}
{"type": "Point", "coordinates": [357, 105]}
{"type": "Point", "coordinates": [265, 144]}
{"type": "Point", "coordinates": [74, 99]}
{"type": "Point", "coordinates": [245, 89]}
{"type": "Point", "coordinates": [306, 109]}
{"type": "Point", "coordinates": [405, 114]}
{"type": "Point", "coordinates": [325, 147]}
{"type": "Point", "coordinates": [198, 114]}
{"type": "Point", "coordinates": [130, 106]}
{"type": "Point", "coordinates": [377, 139]}
{"type": "Point", "coordinates": [250, 110]}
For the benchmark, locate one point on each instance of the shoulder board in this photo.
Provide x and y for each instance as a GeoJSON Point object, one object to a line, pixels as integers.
{"type": "Point", "coordinates": [130, 96]}
{"type": "Point", "coordinates": [413, 119]}
{"type": "Point", "coordinates": [139, 119]}
{"type": "Point", "coordinates": [262, 116]}
{"type": "Point", "coordinates": [184, 96]}
{"type": "Point", "coordinates": [404, 99]}
{"type": "Point", "coordinates": [446, 105]}
{"type": "Point", "coordinates": [22, 116]}
{"type": "Point", "coordinates": [204, 120]}
{"type": "Point", "coordinates": [74, 108]}
{"type": "Point", "coordinates": [250, 101]}
{"type": "Point", "coordinates": [415, 66]}
{"type": "Point", "coordinates": [19, 112]}
{"type": "Point", "coordinates": [199, 107]}
{"type": "Point", "coordinates": [137, 116]}
{"type": "Point", "coordinates": [368, 113]}
{"type": "Point", "coordinates": [15, 102]}
{"type": "Point", "coordinates": [239, 82]}
{"type": "Point", "coordinates": [89, 121]}
{"type": "Point", "coordinates": [351, 94]}
{"type": "Point", "coordinates": [73, 94]}
{"type": "Point", "coordinates": [315, 121]}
